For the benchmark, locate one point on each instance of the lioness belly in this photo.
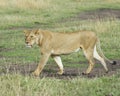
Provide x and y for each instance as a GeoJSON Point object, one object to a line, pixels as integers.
{"type": "Point", "coordinates": [59, 52]}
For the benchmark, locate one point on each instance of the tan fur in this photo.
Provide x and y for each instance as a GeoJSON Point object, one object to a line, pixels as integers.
{"type": "Point", "coordinates": [59, 43]}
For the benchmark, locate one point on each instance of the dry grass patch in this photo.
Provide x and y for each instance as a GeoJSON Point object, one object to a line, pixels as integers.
{"type": "Point", "coordinates": [25, 4]}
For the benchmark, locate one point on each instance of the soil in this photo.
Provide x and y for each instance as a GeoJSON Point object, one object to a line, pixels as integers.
{"type": "Point", "coordinates": [2, 48]}
{"type": "Point", "coordinates": [69, 72]}
{"type": "Point", "coordinates": [99, 14]}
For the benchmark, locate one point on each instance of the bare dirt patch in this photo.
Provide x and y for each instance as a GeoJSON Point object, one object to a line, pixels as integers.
{"type": "Point", "coordinates": [2, 48]}
{"type": "Point", "coordinates": [98, 14]}
{"type": "Point", "coordinates": [51, 71]}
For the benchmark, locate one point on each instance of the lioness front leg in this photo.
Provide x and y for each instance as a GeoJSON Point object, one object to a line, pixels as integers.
{"type": "Point", "coordinates": [59, 63]}
{"type": "Point", "coordinates": [41, 65]}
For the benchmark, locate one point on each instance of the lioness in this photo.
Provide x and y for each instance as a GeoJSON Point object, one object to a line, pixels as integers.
{"type": "Point", "coordinates": [56, 44]}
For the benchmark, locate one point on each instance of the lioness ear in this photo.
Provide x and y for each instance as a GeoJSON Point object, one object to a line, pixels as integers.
{"type": "Point", "coordinates": [36, 31]}
{"type": "Point", "coordinates": [26, 32]}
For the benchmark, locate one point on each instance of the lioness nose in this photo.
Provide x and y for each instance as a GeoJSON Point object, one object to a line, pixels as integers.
{"type": "Point", "coordinates": [26, 42]}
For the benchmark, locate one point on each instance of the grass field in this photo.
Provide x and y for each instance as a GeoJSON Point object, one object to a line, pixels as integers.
{"type": "Point", "coordinates": [57, 16]}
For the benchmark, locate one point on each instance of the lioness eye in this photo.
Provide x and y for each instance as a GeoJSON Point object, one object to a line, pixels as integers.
{"type": "Point", "coordinates": [31, 36]}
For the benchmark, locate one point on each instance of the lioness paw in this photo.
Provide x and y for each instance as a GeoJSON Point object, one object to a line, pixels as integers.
{"type": "Point", "coordinates": [85, 73]}
{"type": "Point", "coordinates": [35, 74]}
{"type": "Point", "coordinates": [60, 72]}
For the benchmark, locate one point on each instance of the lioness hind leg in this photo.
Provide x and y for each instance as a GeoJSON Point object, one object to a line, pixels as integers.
{"type": "Point", "coordinates": [59, 63]}
{"type": "Point", "coordinates": [89, 56]}
{"type": "Point", "coordinates": [98, 57]}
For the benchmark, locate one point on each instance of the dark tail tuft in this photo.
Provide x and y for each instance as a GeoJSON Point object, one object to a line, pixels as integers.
{"type": "Point", "coordinates": [114, 63]}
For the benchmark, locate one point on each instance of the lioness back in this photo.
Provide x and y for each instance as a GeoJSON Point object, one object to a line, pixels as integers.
{"type": "Point", "coordinates": [72, 41]}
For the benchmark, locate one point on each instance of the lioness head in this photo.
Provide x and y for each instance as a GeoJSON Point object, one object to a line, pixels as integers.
{"type": "Point", "coordinates": [31, 37]}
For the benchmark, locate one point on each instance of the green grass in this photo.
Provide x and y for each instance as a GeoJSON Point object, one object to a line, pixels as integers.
{"type": "Point", "coordinates": [47, 14]}
{"type": "Point", "coordinates": [18, 85]}
{"type": "Point", "coordinates": [20, 15]}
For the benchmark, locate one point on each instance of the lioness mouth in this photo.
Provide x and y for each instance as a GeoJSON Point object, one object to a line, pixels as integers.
{"type": "Point", "coordinates": [29, 46]}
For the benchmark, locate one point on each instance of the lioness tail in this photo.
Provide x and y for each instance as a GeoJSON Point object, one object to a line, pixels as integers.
{"type": "Point", "coordinates": [101, 53]}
